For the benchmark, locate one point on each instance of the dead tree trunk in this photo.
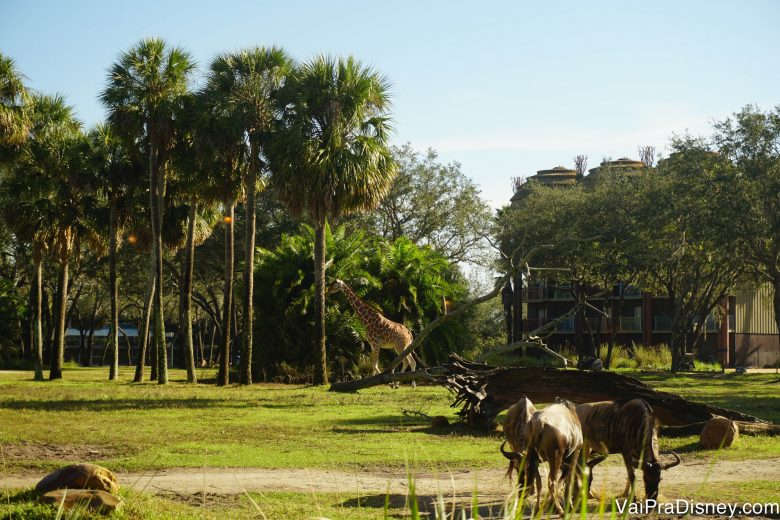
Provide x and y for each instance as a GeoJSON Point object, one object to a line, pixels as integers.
{"type": "Point", "coordinates": [483, 391]}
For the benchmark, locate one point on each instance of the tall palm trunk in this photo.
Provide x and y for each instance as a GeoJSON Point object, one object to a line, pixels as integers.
{"type": "Point", "coordinates": [113, 371]}
{"type": "Point", "coordinates": [185, 301]}
{"type": "Point", "coordinates": [38, 309]}
{"type": "Point", "coordinates": [156, 202]}
{"type": "Point", "coordinates": [144, 337]}
{"type": "Point", "coordinates": [223, 376]}
{"type": "Point", "coordinates": [249, 268]}
{"type": "Point", "coordinates": [321, 368]}
{"type": "Point", "coordinates": [58, 349]}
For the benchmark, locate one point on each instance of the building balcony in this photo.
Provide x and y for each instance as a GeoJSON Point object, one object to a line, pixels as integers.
{"type": "Point", "coordinates": [565, 325]}
{"type": "Point", "coordinates": [631, 324]}
{"type": "Point", "coordinates": [662, 324]}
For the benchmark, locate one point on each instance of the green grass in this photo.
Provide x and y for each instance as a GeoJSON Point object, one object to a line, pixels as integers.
{"type": "Point", "coordinates": [138, 427]}
{"type": "Point", "coordinates": [147, 426]}
{"type": "Point", "coordinates": [24, 505]}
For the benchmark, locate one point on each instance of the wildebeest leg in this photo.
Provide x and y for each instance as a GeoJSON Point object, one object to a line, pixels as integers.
{"type": "Point", "coordinates": [570, 475]}
{"type": "Point", "coordinates": [631, 475]}
{"type": "Point", "coordinates": [591, 463]}
{"type": "Point", "coordinates": [556, 461]}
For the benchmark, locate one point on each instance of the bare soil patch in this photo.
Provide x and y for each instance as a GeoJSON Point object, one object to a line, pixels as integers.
{"type": "Point", "coordinates": [190, 485]}
{"type": "Point", "coordinates": [40, 452]}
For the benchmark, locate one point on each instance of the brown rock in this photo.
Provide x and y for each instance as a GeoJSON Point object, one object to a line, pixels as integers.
{"type": "Point", "coordinates": [439, 421]}
{"type": "Point", "coordinates": [79, 476]}
{"type": "Point", "coordinates": [93, 500]}
{"type": "Point", "coordinates": [718, 432]}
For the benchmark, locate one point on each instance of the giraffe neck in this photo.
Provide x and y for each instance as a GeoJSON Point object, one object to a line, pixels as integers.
{"type": "Point", "coordinates": [363, 311]}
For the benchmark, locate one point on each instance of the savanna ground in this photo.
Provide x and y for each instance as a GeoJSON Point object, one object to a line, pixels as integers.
{"type": "Point", "coordinates": [284, 451]}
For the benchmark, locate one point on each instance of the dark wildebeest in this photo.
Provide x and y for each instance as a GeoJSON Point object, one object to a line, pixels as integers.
{"type": "Point", "coordinates": [627, 427]}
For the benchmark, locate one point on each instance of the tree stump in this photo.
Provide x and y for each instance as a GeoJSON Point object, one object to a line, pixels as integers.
{"type": "Point", "coordinates": [718, 432]}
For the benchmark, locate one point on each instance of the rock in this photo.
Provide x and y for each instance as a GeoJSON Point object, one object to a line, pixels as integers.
{"type": "Point", "coordinates": [718, 432]}
{"type": "Point", "coordinates": [439, 421]}
{"type": "Point", "coordinates": [93, 500]}
{"type": "Point", "coordinates": [79, 476]}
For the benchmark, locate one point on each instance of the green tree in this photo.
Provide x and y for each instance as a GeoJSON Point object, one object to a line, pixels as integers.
{"type": "Point", "coordinates": [688, 251]}
{"type": "Point", "coordinates": [14, 107]}
{"type": "Point", "coordinates": [434, 204]}
{"type": "Point", "coordinates": [146, 88]}
{"type": "Point", "coordinates": [245, 85]}
{"type": "Point", "coordinates": [116, 172]}
{"type": "Point", "coordinates": [330, 155]}
{"type": "Point", "coordinates": [752, 141]}
{"type": "Point", "coordinates": [52, 182]}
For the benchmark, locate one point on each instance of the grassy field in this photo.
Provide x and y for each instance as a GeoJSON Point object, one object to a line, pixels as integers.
{"type": "Point", "coordinates": [146, 427]}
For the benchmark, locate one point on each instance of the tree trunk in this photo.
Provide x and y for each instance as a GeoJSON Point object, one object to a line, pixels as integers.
{"type": "Point", "coordinates": [156, 196]}
{"type": "Point", "coordinates": [223, 375]}
{"type": "Point", "coordinates": [776, 302]}
{"type": "Point", "coordinates": [38, 309]}
{"type": "Point", "coordinates": [113, 371]}
{"type": "Point", "coordinates": [211, 344]}
{"type": "Point", "coordinates": [185, 305]}
{"type": "Point", "coordinates": [484, 391]}
{"type": "Point", "coordinates": [90, 345]}
{"type": "Point", "coordinates": [249, 268]}
{"type": "Point", "coordinates": [58, 349]}
{"type": "Point", "coordinates": [47, 320]}
{"type": "Point", "coordinates": [321, 364]}
{"type": "Point", "coordinates": [146, 319]}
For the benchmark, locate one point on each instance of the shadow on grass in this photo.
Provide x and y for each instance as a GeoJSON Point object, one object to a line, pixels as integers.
{"type": "Point", "coordinates": [427, 504]}
{"type": "Point", "coordinates": [98, 405]}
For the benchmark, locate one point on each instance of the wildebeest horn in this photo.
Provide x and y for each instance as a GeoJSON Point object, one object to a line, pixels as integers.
{"type": "Point", "coordinates": [668, 465]}
{"type": "Point", "coordinates": [511, 455]}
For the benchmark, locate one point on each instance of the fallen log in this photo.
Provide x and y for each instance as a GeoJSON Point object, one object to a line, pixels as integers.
{"type": "Point", "coordinates": [746, 428]}
{"type": "Point", "coordinates": [483, 391]}
{"type": "Point", "coordinates": [427, 374]}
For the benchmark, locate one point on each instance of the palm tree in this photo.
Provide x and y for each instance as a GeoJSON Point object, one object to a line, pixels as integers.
{"type": "Point", "coordinates": [144, 92]}
{"type": "Point", "coordinates": [221, 141]}
{"type": "Point", "coordinates": [14, 106]}
{"type": "Point", "coordinates": [51, 177]}
{"type": "Point", "coordinates": [330, 156]}
{"type": "Point", "coordinates": [113, 165]}
{"type": "Point", "coordinates": [244, 87]}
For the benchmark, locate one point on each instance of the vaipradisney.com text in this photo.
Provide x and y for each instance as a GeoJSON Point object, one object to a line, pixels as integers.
{"type": "Point", "coordinates": [690, 507]}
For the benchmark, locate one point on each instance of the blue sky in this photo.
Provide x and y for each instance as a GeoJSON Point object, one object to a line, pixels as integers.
{"type": "Point", "coordinates": [505, 88]}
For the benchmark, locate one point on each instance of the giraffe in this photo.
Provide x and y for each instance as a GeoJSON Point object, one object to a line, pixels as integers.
{"type": "Point", "coordinates": [381, 332]}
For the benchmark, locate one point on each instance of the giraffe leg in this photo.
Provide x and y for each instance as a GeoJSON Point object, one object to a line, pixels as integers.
{"type": "Point", "coordinates": [412, 366]}
{"type": "Point", "coordinates": [375, 359]}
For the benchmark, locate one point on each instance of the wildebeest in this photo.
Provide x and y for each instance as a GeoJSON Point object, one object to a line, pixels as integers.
{"type": "Point", "coordinates": [552, 435]}
{"type": "Point", "coordinates": [627, 427]}
{"type": "Point", "coordinates": [517, 416]}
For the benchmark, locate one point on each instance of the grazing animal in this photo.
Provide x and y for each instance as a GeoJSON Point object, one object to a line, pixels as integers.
{"type": "Point", "coordinates": [627, 427]}
{"type": "Point", "coordinates": [552, 435]}
{"type": "Point", "coordinates": [380, 332]}
{"type": "Point", "coordinates": [517, 417]}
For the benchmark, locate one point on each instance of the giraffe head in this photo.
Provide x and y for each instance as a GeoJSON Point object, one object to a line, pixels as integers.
{"type": "Point", "coordinates": [335, 286]}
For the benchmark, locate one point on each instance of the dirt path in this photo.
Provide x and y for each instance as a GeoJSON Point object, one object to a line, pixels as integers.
{"type": "Point", "coordinates": [489, 481]}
